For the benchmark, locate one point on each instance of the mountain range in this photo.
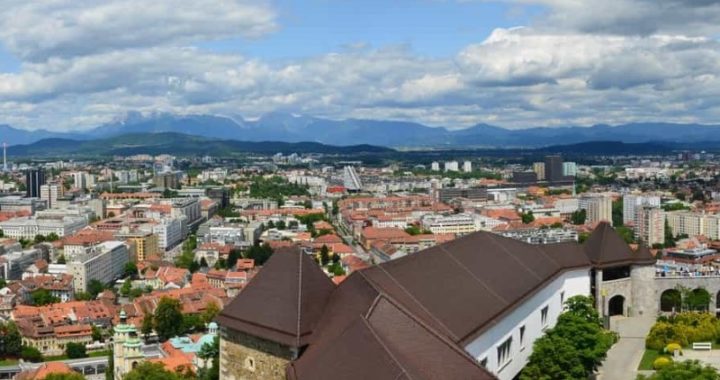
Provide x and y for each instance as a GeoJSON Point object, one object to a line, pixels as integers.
{"type": "Point", "coordinates": [175, 143]}
{"type": "Point", "coordinates": [283, 127]}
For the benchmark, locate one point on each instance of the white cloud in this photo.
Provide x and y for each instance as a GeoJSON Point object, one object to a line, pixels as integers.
{"type": "Point", "coordinates": [86, 62]}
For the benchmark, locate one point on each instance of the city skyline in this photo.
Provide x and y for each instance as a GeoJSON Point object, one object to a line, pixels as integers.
{"type": "Point", "coordinates": [69, 66]}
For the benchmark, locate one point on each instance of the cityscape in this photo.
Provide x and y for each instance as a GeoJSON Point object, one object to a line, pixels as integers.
{"type": "Point", "coordinates": [274, 190]}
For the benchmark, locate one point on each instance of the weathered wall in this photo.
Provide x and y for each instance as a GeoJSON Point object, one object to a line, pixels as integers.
{"type": "Point", "coordinates": [245, 357]}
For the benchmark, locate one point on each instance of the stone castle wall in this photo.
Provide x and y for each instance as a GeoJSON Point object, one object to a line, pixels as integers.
{"type": "Point", "coordinates": [245, 357]}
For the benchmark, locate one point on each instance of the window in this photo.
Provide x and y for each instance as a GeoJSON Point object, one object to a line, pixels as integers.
{"type": "Point", "coordinates": [250, 364]}
{"type": "Point", "coordinates": [483, 362]}
{"type": "Point", "coordinates": [503, 352]}
{"type": "Point", "coordinates": [522, 337]}
{"type": "Point", "coordinates": [543, 316]}
{"type": "Point", "coordinates": [562, 300]}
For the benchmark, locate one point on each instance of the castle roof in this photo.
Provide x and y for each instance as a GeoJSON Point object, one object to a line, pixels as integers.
{"type": "Point", "coordinates": [284, 300]}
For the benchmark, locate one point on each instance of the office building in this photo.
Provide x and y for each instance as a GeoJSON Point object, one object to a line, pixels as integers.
{"type": "Point", "coordinates": [477, 194]}
{"type": "Point", "coordinates": [553, 168]}
{"type": "Point", "coordinates": [50, 192]}
{"type": "Point", "coordinates": [145, 242]}
{"type": "Point", "coordinates": [459, 224]}
{"type": "Point", "coordinates": [351, 180]}
{"type": "Point", "coordinates": [650, 225]}
{"type": "Point", "coordinates": [467, 167]}
{"type": "Point", "coordinates": [569, 169]}
{"type": "Point", "coordinates": [632, 202]}
{"type": "Point", "coordinates": [168, 180]}
{"type": "Point", "coordinates": [34, 179]}
{"type": "Point", "coordinates": [525, 177]}
{"type": "Point", "coordinates": [29, 227]}
{"type": "Point", "coordinates": [104, 262]}
{"type": "Point", "coordinates": [435, 166]}
{"type": "Point", "coordinates": [539, 169]}
{"type": "Point", "coordinates": [598, 207]}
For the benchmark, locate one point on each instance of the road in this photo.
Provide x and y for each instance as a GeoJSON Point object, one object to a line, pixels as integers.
{"type": "Point", "coordinates": [624, 357]}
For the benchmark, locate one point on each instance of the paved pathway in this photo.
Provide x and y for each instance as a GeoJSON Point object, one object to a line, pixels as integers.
{"type": "Point", "coordinates": [623, 358]}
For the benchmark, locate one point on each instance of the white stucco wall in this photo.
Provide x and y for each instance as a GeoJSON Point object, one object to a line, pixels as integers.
{"type": "Point", "coordinates": [527, 314]}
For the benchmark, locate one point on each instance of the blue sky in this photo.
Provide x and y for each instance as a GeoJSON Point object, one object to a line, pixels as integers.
{"type": "Point", "coordinates": [75, 64]}
{"type": "Point", "coordinates": [431, 28]}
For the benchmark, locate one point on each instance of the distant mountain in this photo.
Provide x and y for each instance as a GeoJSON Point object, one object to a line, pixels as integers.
{"type": "Point", "coordinates": [175, 143]}
{"type": "Point", "coordinates": [296, 128]}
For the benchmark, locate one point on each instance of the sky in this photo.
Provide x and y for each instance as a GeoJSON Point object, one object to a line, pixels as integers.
{"type": "Point", "coordinates": [69, 65]}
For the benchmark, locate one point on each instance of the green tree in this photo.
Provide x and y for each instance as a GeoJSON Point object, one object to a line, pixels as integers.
{"type": "Point", "coordinates": [41, 297]}
{"type": "Point", "coordinates": [168, 317]}
{"type": "Point", "coordinates": [39, 239]}
{"type": "Point", "coordinates": [527, 217]}
{"type": "Point", "coordinates": [65, 376]}
{"type": "Point", "coordinates": [95, 287]}
{"type": "Point", "coordinates": [97, 334]}
{"type": "Point", "coordinates": [324, 255]}
{"type": "Point", "coordinates": [578, 217]}
{"type": "Point", "coordinates": [626, 233]}
{"type": "Point", "coordinates": [61, 259]}
{"type": "Point", "coordinates": [83, 296]}
{"type": "Point", "coordinates": [11, 339]}
{"type": "Point", "coordinates": [31, 354]}
{"type": "Point", "coordinates": [553, 358]}
{"type": "Point", "coordinates": [110, 371]}
{"type": "Point", "coordinates": [259, 253]}
{"type": "Point", "coordinates": [75, 350]}
{"type": "Point", "coordinates": [52, 237]}
{"type": "Point", "coordinates": [3, 283]}
{"type": "Point", "coordinates": [126, 287]}
{"type": "Point", "coordinates": [192, 323]}
{"type": "Point", "coordinates": [147, 325]}
{"type": "Point", "coordinates": [617, 213]}
{"type": "Point", "coordinates": [232, 259]}
{"type": "Point", "coordinates": [684, 370]}
{"type": "Point", "coordinates": [210, 352]}
{"type": "Point", "coordinates": [211, 311]}
{"type": "Point", "coordinates": [155, 371]}
{"type": "Point", "coordinates": [131, 269]}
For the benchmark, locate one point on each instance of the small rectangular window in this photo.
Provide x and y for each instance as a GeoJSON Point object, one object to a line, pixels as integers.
{"type": "Point", "coordinates": [483, 362]}
{"type": "Point", "coordinates": [522, 336]}
{"type": "Point", "coordinates": [503, 352]}
{"type": "Point", "coordinates": [544, 316]}
{"type": "Point", "coordinates": [562, 300]}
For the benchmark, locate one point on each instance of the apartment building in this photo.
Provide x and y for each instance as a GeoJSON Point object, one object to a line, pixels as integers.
{"type": "Point", "coordinates": [29, 227]}
{"type": "Point", "coordinates": [632, 202]}
{"type": "Point", "coordinates": [597, 206]}
{"type": "Point", "coordinates": [650, 225]}
{"type": "Point", "coordinates": [104, 262]}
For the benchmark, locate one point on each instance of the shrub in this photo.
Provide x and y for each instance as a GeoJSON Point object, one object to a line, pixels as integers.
{"type": "Point", "coordinates": [672, 347]}
{"type": "Point", "coordinates": [661, 362]}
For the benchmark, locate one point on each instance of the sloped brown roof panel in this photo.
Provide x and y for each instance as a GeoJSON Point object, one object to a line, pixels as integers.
{"type": "Point", "coordinates": [422, 352]}
{"type": "Point", "coordinates": [567, 255]}
{"type": "Point", "coordinates": [440, 285]}
{"type": "Point", "coordinates": [355, 354]}
{"type": "Point", "coordinates": [284, 300]}
{"type": "Point", "coordinates": [388, 343]}
{"type": "Point", "coordinates": [606, 248]}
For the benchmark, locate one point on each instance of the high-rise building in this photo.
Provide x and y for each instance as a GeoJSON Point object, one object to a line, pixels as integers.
{"type": "Point", "coordinates": [631, 202]}
{"type": "Point", "coordinates": [168, 180]}
{"type": "Point", "coordinates": [467, 166]}
{"type": "Point", "coordinates": [553, 168]}
{"type": "Point", "coordinates": [50, 192]}
{"type": "Point", "coordinates": [650, 225]}
{"type": "Point", "coordinates": [597, 206]}
{"type": "Point", "coordinates": [435, 166]}
{"type": "Point", "coordinates": [34, 178]}
{"type": "Point", "coordinates": [451, 166]}
{"type": "Point", "coordinates": [351, 180]}
{"type": "Point", "coordinates": [569, 169]}
{"type": "Point", "coordinates": [539, 169]}
{"type": "Point", "coordinates": [104, 262]}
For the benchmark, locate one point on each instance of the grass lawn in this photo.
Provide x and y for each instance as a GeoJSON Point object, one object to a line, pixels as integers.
{"type": "Point", "coordinates": [8, 362]}
{"type": "Point", "coordinates": [94, 354]}
{"type": "Point", "coordinates": [646, 363]}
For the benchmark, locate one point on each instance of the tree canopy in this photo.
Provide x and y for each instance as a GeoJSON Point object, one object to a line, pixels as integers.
{"type": "Point", "coordinates": [168, 318]}
{"type": "Point", "coordinates": [685, 370]}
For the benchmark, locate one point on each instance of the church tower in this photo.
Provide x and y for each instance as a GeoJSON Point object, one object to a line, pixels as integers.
{"type": "Point", "coordinates": [126, 348]}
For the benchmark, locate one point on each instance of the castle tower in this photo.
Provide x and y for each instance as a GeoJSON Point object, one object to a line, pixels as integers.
{"type": "Point", "coordinates": [270, 322]}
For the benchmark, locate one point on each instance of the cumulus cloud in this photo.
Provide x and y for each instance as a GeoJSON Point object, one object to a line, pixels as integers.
{"type": "Point", "coordinates": [85, 63]}
{"type": "Point", "coordinates": [38, 30]}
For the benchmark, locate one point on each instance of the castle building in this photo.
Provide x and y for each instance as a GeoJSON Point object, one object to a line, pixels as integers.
{"type": "Point", "coordinates": [467, 309]}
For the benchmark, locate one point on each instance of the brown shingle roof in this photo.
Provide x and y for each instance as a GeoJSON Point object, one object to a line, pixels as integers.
{"type": "Point", "coordinates": [284, 300]}
{"type": "Point", "coordinates": [605, 248]}
{"type": "Point", "coordinates": [386, 343]}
